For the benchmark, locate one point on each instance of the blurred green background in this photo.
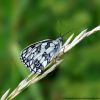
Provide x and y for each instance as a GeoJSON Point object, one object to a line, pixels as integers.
{"type": "Point", "coordinates": [23, 22]}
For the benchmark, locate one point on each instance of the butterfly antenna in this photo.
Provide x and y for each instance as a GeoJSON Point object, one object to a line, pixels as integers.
{"type": "Point", "coordinates": [65, 33]}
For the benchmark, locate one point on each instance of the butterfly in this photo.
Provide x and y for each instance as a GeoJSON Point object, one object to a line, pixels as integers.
{"type": "Point", "coordinates": [38, 55]}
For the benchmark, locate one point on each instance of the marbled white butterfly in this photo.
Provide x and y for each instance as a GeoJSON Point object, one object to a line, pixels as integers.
{"type": "Point", "coordinates": [38, 55]}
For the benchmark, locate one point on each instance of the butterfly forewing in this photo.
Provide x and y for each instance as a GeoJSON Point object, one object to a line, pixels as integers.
{"type": "Point", "coordinates": [38, 55]}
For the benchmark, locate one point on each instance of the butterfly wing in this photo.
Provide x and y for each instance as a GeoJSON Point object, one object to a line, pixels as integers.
{"type": "Point", "coordinates": [38, 55]}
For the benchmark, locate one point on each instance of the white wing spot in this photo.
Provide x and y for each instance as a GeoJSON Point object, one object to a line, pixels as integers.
{"type": "Point", "coordinates": [27, 63]}
{"type": "Point", "coordinates": [51, 44]}
{"type": "Point", "coordinates": [42, 60]}
{"type": "Point", "coordinates": [34, 69]}
{"type": "Point", "coordinates": [33, 50]}
{"type": "Point", "coordinates": [27, 55]}
{"type": "Point", "coordinates": [24, 55]}
{"type": "Point", "coordinates": [24, 51]}
{"type": "Point", "coordinates": [44, 44]}
{"type": "Point", "coordinates": [31, 56]}
{"type": "Point", "coordinates": [39, 58]}
{"type": "Point", "coordinates": [44, 63]}
{"type": "Point", "coordinates": [29, 49]}
{"type": "Point", "coordinates": [30, 62]}
{"type": "Point", "coordinates": [39, 70]}
{"type": "Point", "coordinates": [49, 50]}
{"type": "Point", "coordinates": [32, 66]}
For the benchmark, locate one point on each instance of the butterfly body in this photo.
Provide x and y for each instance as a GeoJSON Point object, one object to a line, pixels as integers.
{"type": "Point", "coordinates": [38, 55]}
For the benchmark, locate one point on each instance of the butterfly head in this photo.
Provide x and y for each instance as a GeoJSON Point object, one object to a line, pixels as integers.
{"type": "Point", "coordinates": [60, 40]}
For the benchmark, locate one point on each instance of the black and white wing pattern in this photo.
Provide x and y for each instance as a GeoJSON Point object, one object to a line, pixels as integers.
{"type": "Point", "coordinates": [38, 55]}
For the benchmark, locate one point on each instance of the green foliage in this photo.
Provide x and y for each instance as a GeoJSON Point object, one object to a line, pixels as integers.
{"type": "Point", "coordinates": [23, 22]}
